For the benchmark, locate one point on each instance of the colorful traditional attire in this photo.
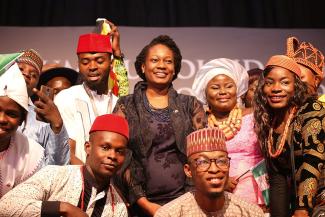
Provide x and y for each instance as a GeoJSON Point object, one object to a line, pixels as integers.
{"type": "Point", "coordinates": [243, 148]}
{"type": "Point", "coordinates": [295, 158]}
{"type": "Point", "coordinates": [118, 81]}
{"type": "Point", "coordinates": [40, 195]}
{"type": "Point", "coordinates": [306, 54]}
{"type": "Point", "coordinates": [186, 206]}
{"type": "Point", "coordinates": [305, 141]}
{"type": "Point", "coordinates": [245, 153]}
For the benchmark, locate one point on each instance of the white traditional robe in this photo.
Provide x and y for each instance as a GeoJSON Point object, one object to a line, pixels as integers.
{"type": "Point", "coordinates": [21, 160]}
{"type": "Point", "coordinates": [78, 114]}
{"type": "Point", "coordinates": [186, 206]}
{"type": "Point", "coordinates": [56, 183]}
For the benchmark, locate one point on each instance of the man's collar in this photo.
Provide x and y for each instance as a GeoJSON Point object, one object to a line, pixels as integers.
{"type": "Point", "coordinates": [90, 180]}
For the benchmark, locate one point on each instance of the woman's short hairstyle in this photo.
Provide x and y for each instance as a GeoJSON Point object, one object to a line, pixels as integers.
{"type": "Point", "coordinates": [163, 40]}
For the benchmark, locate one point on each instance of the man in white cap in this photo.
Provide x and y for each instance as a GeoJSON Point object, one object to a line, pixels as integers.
{"type": "Point", "coordinates": [208, 167]}
{"type": "Point", "coordinates": [20, 157]}
{"type": "Point", "coordinates": [50, 131]}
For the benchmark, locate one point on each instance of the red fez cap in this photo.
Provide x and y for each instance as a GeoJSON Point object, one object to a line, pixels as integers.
{"type": "Point", "coordinates": [206, 139]}
{"type": "Point", "coordinates": [111, 123]}
{"type": "Point", "coordinates": [93, 42]}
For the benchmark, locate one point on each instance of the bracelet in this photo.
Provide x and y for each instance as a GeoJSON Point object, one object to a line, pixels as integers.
{"type": "Point", "coordinates": [119, 57]}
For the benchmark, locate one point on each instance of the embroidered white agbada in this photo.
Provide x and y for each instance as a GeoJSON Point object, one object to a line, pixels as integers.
{"type": "Point", "coordinates": [55, 183]}
{"type": "Point", "coordinates": [78, 114]}
{"type": "Point", "coordinates": [186, 206]}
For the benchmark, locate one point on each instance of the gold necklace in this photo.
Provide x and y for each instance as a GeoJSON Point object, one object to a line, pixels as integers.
{"type": "Point", "coordinates": [231, 126]}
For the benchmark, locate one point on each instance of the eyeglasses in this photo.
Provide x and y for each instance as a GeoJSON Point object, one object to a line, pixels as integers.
{"type": "Point", "coordinates": [203, 163]}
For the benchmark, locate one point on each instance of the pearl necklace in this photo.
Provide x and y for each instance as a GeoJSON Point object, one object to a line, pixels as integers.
{"type": "Point", "coordinates": [278, 151]}
{"type": "Point", "coordinates": [231, 126]}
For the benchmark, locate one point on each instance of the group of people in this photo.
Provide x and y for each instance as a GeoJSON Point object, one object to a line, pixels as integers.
{"type": "Point", "coordinates": [96, 151]}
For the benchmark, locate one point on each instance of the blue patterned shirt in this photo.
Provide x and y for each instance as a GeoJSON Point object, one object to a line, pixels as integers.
{"type": "Point", "coordinates": [57, 150]}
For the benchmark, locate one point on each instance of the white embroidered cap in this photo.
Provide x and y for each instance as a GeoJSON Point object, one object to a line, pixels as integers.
{"type": "Point", "coordinates": [216, 67]}
{"type": "Point", "coordinates": [12, 84]}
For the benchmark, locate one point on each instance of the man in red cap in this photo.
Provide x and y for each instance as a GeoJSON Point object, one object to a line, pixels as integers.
{"type": "Point", "coordinates": [81, 104]}
{"type": "Point", "coordinates": [208, 167]}
{"type": "Point", "coordinates": [77, 190]}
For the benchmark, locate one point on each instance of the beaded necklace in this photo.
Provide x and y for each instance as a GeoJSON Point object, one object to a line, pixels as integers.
{"type": "Point", "coordinates": [161, 115]}
{"type": "Point", "coordinates": [279, 150]}
{"type": "Point", "coordinates": [231, 126]}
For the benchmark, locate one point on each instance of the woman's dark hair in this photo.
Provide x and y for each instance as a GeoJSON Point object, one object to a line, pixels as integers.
{"type": "Point", "coordinates": [164, 40]}
{"type": "Point", "coordinates": [254, 75]}
{"type": "Point", "coordinates": [264, 114]}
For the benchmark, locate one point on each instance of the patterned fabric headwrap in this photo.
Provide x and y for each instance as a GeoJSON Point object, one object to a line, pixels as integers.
{"type": "Point", "coordinates": [31, 57]}
{"type": "Point", "coordinates": [111, 123]}
{"type": "Point", "coordinates": [206, 139]}
{"type": "Point", "coordinates": [306, 54]}
{"type": "Point", "coordinates": [284, 62]}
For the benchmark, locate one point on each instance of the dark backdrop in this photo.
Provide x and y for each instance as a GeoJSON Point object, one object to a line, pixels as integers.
{"type": "Point", "coordinates": [167, 13]}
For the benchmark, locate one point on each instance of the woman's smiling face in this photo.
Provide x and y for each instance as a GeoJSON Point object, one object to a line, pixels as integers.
{"type": "Point", "coordinates": [279, 87]}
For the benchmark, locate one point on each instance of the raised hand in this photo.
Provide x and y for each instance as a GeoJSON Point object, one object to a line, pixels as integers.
{"type": "Point", "coordinates": [115, 34]}
{"type": "Point", "coordinates": [47, 111]}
